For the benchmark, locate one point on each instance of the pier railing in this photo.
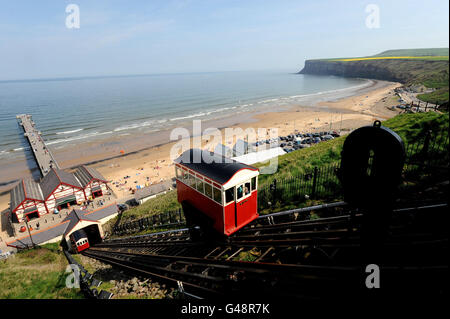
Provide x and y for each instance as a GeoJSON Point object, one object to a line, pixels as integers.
{"type": "Point", "coordinates": [44, 157]}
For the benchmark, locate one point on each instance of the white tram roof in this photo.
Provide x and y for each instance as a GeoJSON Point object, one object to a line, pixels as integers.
{"type": "Point", "coordinates": [220, 169]}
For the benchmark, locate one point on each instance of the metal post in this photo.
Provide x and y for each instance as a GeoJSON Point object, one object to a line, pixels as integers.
{"type": "Point", "coordinates": [29, 233]}
{"type": "Point", "coordinates": [424, 150]}
{"type": "Point", "coordinates": [273, 188]}
{"type": "Point", "coordinates": [313, 191]}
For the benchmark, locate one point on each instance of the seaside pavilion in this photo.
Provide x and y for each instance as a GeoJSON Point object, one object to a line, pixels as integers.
{"type": "Point", "coordinates": [58, 189]}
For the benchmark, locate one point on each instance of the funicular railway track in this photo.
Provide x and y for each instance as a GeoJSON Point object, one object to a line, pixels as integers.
{"type": "Point", "coordinates": [287, 256]}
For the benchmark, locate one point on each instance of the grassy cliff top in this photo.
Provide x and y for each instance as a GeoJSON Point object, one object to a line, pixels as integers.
{"type": "Point", "coordinates": [425, 54]}
{"type": "Point", "coordinates": [415, 52]}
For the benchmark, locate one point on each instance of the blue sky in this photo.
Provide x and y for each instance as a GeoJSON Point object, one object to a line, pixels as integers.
{"type": "Point", "coordinates": [138, 37]}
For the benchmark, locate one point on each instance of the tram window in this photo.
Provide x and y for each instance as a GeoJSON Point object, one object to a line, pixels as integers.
{"type": "Point", "coordinates": [200, 186]}
{"type": "Point", "coordinates": [191, 180]}
{"type": "Point", "coordinates": [253, 183]}
{"type": "Point", "coordinates": [217, 195]}
{"type": "Point", "coordinates": [178, 173]}
{"type": "Point", "coordinates": [208, 190]}
{"type": "Point", "coordinates": [247, 188]}
{"type": "Point", "coordinates": [229, 195]}
{"type": "Point", "coordinates": [239, 191]}
{"type": "Point", "coordinates": [183, 176]}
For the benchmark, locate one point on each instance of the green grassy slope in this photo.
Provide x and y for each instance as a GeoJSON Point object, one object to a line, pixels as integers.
{"type": "Point", "coordinates": [409, 126]}
{"type": "Point", "coordinates": [162, 203]}
{"type": "Point", "coordinates": [37, 274]}
{"type": "Point", "coordinates": [439, 96]}
{"type": "Point", "coordinates": [415, 52]}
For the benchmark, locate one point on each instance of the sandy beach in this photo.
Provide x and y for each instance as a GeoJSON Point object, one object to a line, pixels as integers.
{"type": "Point", "coordinates": [148, 161]}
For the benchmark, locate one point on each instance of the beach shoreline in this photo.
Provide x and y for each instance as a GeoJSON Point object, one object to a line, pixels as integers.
{"type": "Point", "coordinates": [146, 158]}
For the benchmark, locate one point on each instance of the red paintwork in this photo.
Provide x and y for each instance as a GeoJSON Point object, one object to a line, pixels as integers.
{"type": "Point", "coordinates": [83, 247]}
{"type": "Point", "coordinates": [34, 211]}
{"type": "Point", "coordinates": [204, 204]}
{"type": "Point", "coordinates": [224, 217]}
{"type": "Point", "coordinates": [247, 211]}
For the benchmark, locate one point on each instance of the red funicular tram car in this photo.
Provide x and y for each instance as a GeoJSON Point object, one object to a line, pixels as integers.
{"type": "Point", "coordinates": [216, 191]}
{"type": "Point", "coordinates": [79, 240]}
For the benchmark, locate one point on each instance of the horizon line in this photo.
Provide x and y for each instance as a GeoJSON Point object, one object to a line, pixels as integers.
{"type": "Point", "coordinates": [92, 77]}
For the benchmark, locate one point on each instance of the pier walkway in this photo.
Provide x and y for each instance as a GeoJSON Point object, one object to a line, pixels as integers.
{"type": "Point", "coordinates": [42, 154]}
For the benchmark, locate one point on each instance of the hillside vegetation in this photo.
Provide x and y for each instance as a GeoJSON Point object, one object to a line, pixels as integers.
{"type": "Point", "coordinates": [410, 127]}
{"type": "Point", "coordinates": [416, 52]}
{"type": "Point", "coordinates": [36, 274]}
{"type": "Point", "coordinates": [429, 67]}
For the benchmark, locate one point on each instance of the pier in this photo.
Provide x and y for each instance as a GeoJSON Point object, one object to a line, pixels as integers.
{"type": "Point", "coordinates": [42, 154]}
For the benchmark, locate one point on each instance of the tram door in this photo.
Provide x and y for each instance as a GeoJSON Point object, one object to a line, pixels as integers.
{"type": "Point", "coordinates": [242, 203]}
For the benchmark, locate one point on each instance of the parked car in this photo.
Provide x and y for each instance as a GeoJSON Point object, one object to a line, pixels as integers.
{"type": "Point", "coordinates": [316, 140]}
{"type": "Point", "coordinates": [335, 134]}
{"type": "Point", "coordinates": [132, 202]}
{"type": "Point", "coordinates": [122, 207]}
{"type": "Point", "coordinates": [327, 137]}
